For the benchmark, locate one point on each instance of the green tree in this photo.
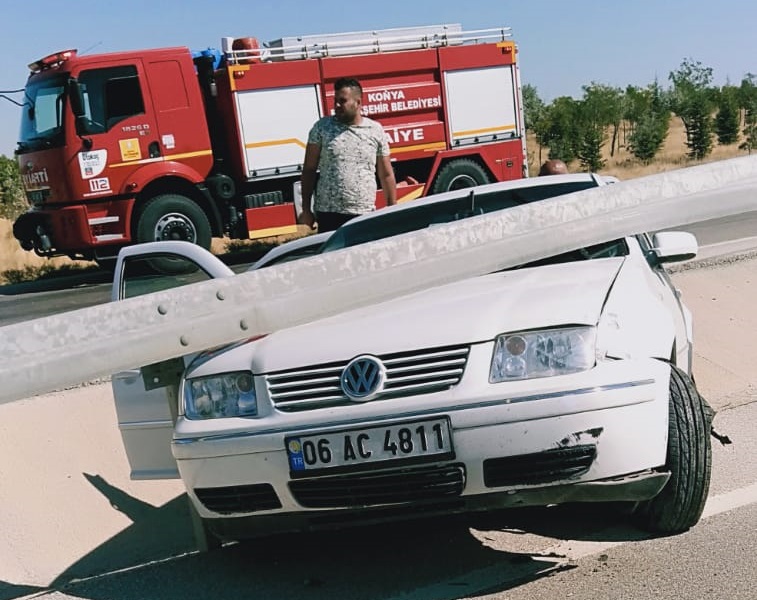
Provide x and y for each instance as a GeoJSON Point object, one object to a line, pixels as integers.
{"type": "Point", "coordinates": [692, 102]}
{"type": "Point", "coordinates": [603, 107]}
{"type": "Point", "coordinates": [728, 118]}
{"type": "Point", "coordinates": [700, 129]}
{"type": "Point", "coordinates": [651, 122]}
{"type": "Point", "coordinates": [648, 136]}
{"type": "Point", "coordinates": [559, 128]}
{"type": "Point", "coordinates": [635, 103]}
{"type": "Point", "coordinates": [600, 108]}
{"type": "Point", "coordinates": [589, 150]}
{"type": "Point", "coordinates": [533, 106]}
{"type": "Point", "coordinates": [748, 101]}
{"type": "Point", "coordinates": [12, 201]}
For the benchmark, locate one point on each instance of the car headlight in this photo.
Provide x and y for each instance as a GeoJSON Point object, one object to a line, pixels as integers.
{"type": "Point", "coordinates": [223, 395]}
{"type": "Point", "coordinates": [545, 353]}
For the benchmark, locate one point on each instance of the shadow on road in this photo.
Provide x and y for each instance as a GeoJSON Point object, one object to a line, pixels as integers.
{"type": "Point", "coordinates": [8, 591]}
{"type": "Point", "coordinates": [587, 522]}
{"type": "Point", "coordinates": [434, 559]}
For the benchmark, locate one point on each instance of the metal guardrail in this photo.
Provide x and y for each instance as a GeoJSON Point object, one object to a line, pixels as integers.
{"type": "Point", "coordinates": [66, 349]}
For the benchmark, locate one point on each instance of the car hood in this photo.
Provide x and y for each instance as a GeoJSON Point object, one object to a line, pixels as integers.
{"type": "Point", "coordinates": [464, 312]}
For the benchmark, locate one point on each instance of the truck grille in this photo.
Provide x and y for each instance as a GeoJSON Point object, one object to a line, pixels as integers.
{"type": "Point", "coordinates": [388, 487]}
{"type": "Point", "coordinates": [407, 374]}
{"type": "Point", "coordinates": [541, 467]}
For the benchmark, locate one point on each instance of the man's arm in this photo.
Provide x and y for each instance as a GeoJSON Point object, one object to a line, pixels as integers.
{"type": "Point", "coordinates": [307, 182]}
{"type": "Point", "coordinates": [386, 177]}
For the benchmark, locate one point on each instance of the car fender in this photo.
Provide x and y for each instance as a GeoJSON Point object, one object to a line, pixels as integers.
{"type": "Point", "coordinates": [635, 321]}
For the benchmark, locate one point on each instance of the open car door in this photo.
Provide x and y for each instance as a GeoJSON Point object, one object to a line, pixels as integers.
{"type": "Point", "coordinates": [147, 397]}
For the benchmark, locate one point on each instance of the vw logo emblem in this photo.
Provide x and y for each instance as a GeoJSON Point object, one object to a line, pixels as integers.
{"type": "Point", "coordinates": [362, 378]}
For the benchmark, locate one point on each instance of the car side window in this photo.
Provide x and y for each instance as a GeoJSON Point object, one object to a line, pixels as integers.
{"type": "Point", "coordinates": [453, 209]}
{"type": "Point", "coordinates": [140, 275]}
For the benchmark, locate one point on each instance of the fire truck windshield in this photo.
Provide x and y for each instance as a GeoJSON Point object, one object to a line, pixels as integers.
{"type": "Point", "coordinates": [42, 114]}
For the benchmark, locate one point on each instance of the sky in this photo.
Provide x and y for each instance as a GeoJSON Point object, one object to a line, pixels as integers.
{"type": "Point", "coordinates": [562, 46]}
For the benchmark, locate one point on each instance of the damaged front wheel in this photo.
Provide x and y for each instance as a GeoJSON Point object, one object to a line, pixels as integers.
{"type": "Point", "coordinates": [689, 459]}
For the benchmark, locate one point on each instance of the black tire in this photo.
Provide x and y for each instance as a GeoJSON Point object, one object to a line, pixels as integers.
{"type": "Point", "coordinates": [689, 459]}
{"type": "Point", "coordinates": [173, 217]}
{"type": "Point", "coordinates": [222, 187]}
{"type": "Point", "coordinates": [459, 174]}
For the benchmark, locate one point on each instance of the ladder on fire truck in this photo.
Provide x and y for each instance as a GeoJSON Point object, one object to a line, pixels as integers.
{"type": "Point", "coordinates": [363, 42]}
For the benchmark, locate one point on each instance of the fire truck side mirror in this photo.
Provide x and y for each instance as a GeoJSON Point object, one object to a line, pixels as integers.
{"type": "Point", "coordinates": [82, 129]}
{"type": "Point", "coordinates": [81, 122]}
{"type": "Point", "coordinates": [76, 97]}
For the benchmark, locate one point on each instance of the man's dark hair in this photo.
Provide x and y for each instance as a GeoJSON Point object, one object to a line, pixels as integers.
{"type": "Point", "coordinates": [554, 166]}
{"type": "Point", "coordinates": [348, 82]}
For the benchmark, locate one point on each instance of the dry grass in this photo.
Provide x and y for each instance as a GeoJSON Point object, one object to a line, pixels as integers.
{"type": "Point", "coordinates": [17, 265]}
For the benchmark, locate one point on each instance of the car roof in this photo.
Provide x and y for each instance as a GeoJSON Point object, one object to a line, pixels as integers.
{"type": "Point", "coordinates": [455, 205]}
{"type": "Point", "coordinates": [513, 184]}
{"type": "Point", "coordinates": [311, 244]}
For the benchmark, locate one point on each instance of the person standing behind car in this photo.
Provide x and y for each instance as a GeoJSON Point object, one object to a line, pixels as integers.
{"type": "Point", "coordinates": [348, 149]}
{"type": "Point", "coordinates": [553, 167]}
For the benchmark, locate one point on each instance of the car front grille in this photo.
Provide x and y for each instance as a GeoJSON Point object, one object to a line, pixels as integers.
{"type": "Point", "coordinates": [407, 374]}
{"type": "Point", "coordinates": [387, 487]}
{"type": "Point", "coordinates": [239, 498]}
{"type": "Point", "coordinates": [541, 467]}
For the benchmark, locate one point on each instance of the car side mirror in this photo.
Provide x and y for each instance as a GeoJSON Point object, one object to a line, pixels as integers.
{"type": "Point", "coordinates": [674, 246]}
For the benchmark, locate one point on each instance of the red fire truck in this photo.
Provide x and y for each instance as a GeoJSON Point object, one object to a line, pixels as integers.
{"type": "Point", "coordinates": [163, 144]}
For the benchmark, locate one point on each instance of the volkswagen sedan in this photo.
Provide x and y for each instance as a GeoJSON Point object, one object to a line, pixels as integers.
{"type": "Point", "coordinates": [564, 380]}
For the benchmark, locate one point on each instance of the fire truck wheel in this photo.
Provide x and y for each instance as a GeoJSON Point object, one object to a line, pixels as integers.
{"type": "Point", "coordinates": [173, 217]}
{"type": "Point", "coordinates": [459, 174]}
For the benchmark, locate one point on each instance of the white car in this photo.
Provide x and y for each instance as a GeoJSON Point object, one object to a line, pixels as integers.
{"type": "Point", "coordinates": [566, 380]}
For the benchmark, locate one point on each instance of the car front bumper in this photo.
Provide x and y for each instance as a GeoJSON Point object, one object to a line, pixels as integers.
{"type": "Point", "coordinates": [600, 435]}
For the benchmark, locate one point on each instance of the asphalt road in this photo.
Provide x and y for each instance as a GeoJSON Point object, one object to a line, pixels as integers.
{"type": "Point", "coordinates": [732, 227]}
{"type": "Point", "coordinates": [144, 547]}
{"type": "Point", "coordinates": [75, 526]}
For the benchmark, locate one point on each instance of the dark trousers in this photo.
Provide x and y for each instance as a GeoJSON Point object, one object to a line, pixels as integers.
{"type": "Point", "coordinates": [329, 221]}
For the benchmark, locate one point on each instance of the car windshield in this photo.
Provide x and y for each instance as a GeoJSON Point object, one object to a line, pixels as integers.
{"type": "Point", "coordinates": [425, 215]}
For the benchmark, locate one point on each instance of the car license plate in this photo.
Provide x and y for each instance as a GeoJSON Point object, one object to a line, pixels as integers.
{"type": "Point", "coordinates": [36, 196]}
{"type": "Point", "coordinates": [399, 442]}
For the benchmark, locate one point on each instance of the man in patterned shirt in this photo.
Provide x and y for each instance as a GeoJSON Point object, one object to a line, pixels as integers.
{"type": "Point", "coordinates": [348, 149]}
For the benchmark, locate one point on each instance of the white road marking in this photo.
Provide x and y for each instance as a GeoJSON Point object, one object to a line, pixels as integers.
{"type": "Point", "coordinates": [730, 500]}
